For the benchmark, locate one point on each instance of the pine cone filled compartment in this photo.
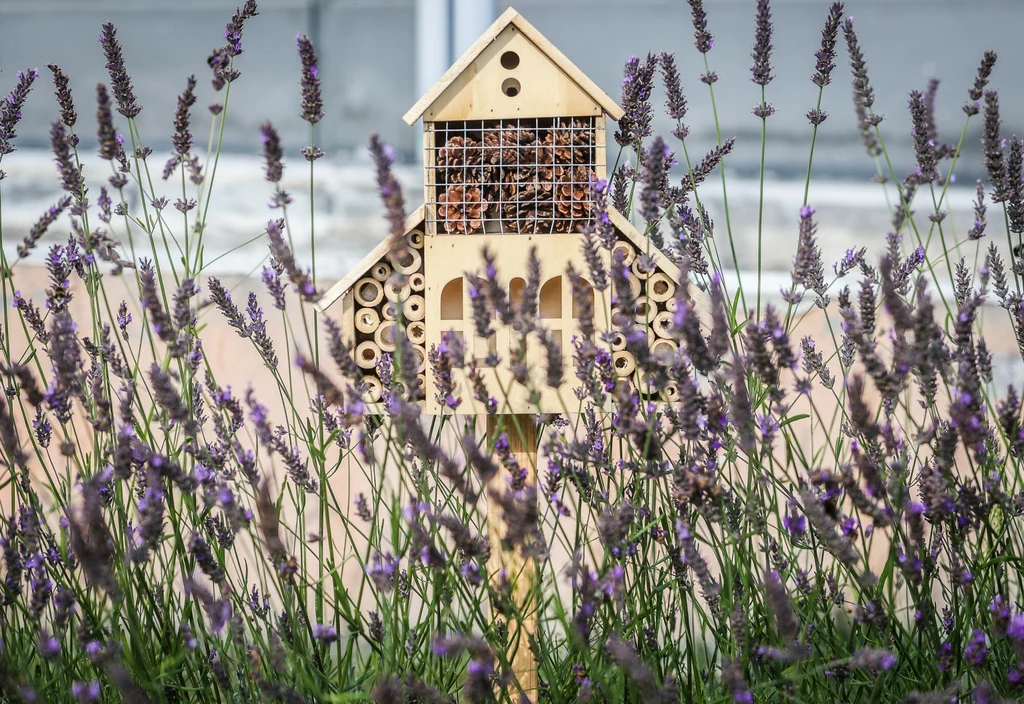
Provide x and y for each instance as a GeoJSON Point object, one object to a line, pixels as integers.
{"type": "Point", "coordinates": [525, 176]}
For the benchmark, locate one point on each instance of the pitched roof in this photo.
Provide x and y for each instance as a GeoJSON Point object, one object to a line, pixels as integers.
{"type": "Point", "coordinates": [511, 17]}
{"type": "Point", "coordinates": [413, 221]}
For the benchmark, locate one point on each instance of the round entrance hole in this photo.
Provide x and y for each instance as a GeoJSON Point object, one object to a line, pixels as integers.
{"type": "Point", "coordinates": [509, 60]}
{"type": "Point", "coordinates": [510, 87]}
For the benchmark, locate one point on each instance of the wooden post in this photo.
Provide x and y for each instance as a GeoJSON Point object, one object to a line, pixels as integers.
{"type": "Point", "coordinates": [522, 439]}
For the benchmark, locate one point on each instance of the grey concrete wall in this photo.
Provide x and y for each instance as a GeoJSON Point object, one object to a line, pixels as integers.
{"type": "Point", "coordinates": [367, 52]}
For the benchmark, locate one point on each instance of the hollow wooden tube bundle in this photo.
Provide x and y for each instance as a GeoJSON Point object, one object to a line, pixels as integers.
{"type": "Point", "coordinates": [643, 267]}
{"type": "Point", "coordinates": [367, 355]}
{"type": "Point", "coordinates": [389, 311]}
{"type": "Point", "coordinates": [671, 305]}
{"type": "Point", "coordinates": [415, 239]}
{"type": "Point", "coordinates": [624, 363]}
{"type": "Point", "coordinates": [663, 324]}
{"type": "Point", "coordinates": [367, 320]}
{"type": "Point", "coordinates": [372, 389]}
{"type": "Point", "coordinates": [660, 287]}
{"type": "Point", "coordinates": [421, 359]}
{"type": "Point", "coordinates": [416, 332]}
{"type": "Point", "coordinates": [663, 348]}
{"type": "Point", "coordinates": [395, 293]}
{"type": "Point", "coordinates": [409, 262]}
{"type": "Point", "coordinates": [386, 336]}
{"type": "Point", "coordinates": [646, 312]}
{"type": "Point", "coordinates": [381, 271]}
{"type": "Point", "coordinates": [368, 292]}
{"type": "Point", "coordinates": [417, 282]}
{"type": "Point", "coordinates": [628, 253]}
{"type": "Point", "coordinates": [619, 342]}
{"type": "Point", "coordinates": [414, 308]}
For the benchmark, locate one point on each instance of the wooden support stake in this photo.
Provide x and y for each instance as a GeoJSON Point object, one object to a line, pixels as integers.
{"type": "Point", "coordinates": [522, 440]}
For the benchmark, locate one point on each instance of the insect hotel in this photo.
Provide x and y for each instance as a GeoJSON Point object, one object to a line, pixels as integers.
{"type": "Point", "coordinates": [514, 135]}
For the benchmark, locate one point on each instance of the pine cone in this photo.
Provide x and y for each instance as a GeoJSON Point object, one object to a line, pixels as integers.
{"type": "Point", "coordinates": [573, 198]}
{"type": "Point", "coordinates": [462, 209]}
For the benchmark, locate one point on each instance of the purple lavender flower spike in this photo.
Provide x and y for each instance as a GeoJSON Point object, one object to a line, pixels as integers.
{"type": "Point", "coordinates": [312, 102]}
{"type": "Point", "coordinates": [182, 138]}
{"type": "Point", "coordinates": [120, 81]}
{"type": "Point", "coordinates": [826, 55]}
{"type": "Point", "coordinates": [10, 110]}
{"type": "Point", "coordinates": [702, 38]}
{"type": "Point", "coordinates": [762, 52]}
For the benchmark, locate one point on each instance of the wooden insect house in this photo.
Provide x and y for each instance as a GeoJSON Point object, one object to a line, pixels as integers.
{"type": "Point", "coordinates": [514, 136]}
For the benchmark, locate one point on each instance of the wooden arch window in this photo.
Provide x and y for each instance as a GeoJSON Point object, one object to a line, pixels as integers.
{"type": "Point", "coordinates": [551, 298]}
{"type": "Point", "coordinates": [451, 300]}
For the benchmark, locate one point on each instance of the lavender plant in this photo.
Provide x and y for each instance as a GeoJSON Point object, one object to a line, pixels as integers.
{"type": "Point", "coordinates": [830, 518]}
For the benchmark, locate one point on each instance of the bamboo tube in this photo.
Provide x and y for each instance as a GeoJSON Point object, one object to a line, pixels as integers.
{"type": "Point", "coordinates": [414, 308]}
{"type": "Point", "coordinates": [395, 293]}
{"type": "Point", "coordinates": [367, 320]}
{"type": "Point", "coordinates": [409, 262]}
{"type": "Point", "coordinates": [416, 332]}
{"type": "Point", "coordinates": [417, 282]}
{"type": "Point", "coordinates": [670, 392]}
{"type": "Point", "coordinates": [415, 239]}
{"type": "Point", "coordinates": [624, 363]}
{"type": "Point", "coordinates": [646, 312]}
{"type": "Point", "coordinates": [618, 342]}
{"type": "Point", "coordinates": [671, 305]}
{"type": "Point", "coordinates": [386, 335]}
{"type": "Point", "coordinates": [628, 253]}
{"type": "Point", "coordinates": [644, 384]}
{"type": "Point", "coordinates": [660, 288]}
{"type": "Point", "coordinates": [634, 286]}
{"type": "Point", "coordinates": [373, 389]}
{"type": "Point", "coordinates": [381, 271]}
{"type": "Point", "coordinates": [389, 311]}
{"type": "Point", "coordinates": [643, 267]}
{"type": "Point", "coordinates": [421, 356]}
{"type": "Point", "coordinates": [368, 292]}
{"type": "Point", "coordinates": [367, 355]}
{"type": "Point", "coordinates": [663, 348]}
{"type": "Point", "coordinates": [423, 385]}
{"type": "Point", "coordinates": [663, 324]}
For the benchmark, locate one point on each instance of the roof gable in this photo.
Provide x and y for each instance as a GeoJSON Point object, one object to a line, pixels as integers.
{"type": "Point", "coordinates": [548, 83]}
{"type": "Point", "coordinates": [412, 222]}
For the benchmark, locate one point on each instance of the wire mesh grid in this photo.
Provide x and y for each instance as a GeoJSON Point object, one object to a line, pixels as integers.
{"type": "Point", "coordinates": [527, 176]}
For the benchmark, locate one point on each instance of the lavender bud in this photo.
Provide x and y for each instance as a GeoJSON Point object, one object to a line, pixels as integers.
{"type": "Point", "coordinates": [827, 54]}
{"type": "Point", "coordinates": [312, 103]}
{"type": "Point", "coordinates": [703, 39]}
{"type": "Point", "coordinates": [182, 138]}
{"type": "Point", "coordinates": [63, 92]}
{"type": "Point", "coordinates": [120, 81]}
{"type": "Point", "coordinates": [762, 53]}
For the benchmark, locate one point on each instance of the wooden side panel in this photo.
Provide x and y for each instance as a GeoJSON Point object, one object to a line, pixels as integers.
{"type": "Point", "coordinates": [429, 177]}
{"type": "Point", "coordinates": [497, 86]}
{"type": "Point", "coordinates": [601, 146]}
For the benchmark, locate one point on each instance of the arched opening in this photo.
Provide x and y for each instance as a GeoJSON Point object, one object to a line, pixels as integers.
{"type": "Point", "coordinates": [451, 300]}
{"type": "Point", "coordinates": [587, 299]}
{"type": "Point", "coordinates": [551, 298]}
{"type": "Point", "coordinates": [516, 289]}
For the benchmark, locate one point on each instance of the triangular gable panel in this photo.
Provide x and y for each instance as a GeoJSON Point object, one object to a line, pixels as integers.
{"type": "Point", "coordinates": [540, 87]}
{"type": "Point", "coordinates": [476, 87]}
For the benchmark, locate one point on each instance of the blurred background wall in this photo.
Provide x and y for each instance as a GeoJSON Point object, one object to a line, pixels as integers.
{"type": "Point", "coordinates": [378, 56]}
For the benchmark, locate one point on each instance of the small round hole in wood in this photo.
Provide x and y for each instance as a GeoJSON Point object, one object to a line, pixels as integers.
{"type": "Point", "coordinates": [511, 87]}
{"type": "Point", "coordinates": [509, 60]}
